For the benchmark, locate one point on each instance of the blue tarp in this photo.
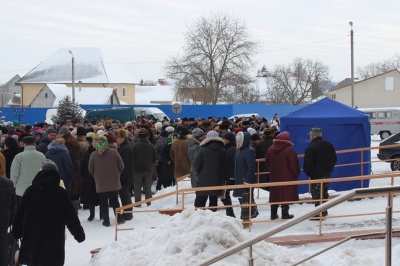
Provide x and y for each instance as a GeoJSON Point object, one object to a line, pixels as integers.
{"type": "Point", "coordinates": [345, 127]}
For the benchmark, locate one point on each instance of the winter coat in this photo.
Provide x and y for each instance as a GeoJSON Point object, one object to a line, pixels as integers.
{"type": "Point", "coordinates": [319, 159]}
{"type": "Point", "coordinates": [106, 170]}
{"type": "Point", "coordinates": [180, 156]}
{"type": "Point", "coordinates": [211, 164]}
{"type": "Point", "coordinates": [2, 165]}
{"type": "Point", "coordinates": [43, 144]}
{"type": "Point", "coordinates": [230, 172]}
{"type": "Point", "coordinates": [160, 144]}
{"type": "Point", "coordinates": [261, 152]}
{"type": "Point", "coordinates": [245, 165]}
{"type": "Point", "coordinates": [125, 150]}
{"type": "Point", "coordinates": [7, 202]}
{"type": "Point", "coordinates": [194, 145]}
{"type": "Point", "coordinates": [24, 168]}
{"type": "Point", "coordinates": [9, 155]}
{"type": "Point", "coordinates": [40, 220]}
{"type": "Point", "coordinates": [74, 150]}
{"type": "Point", "coordinates": [167, 171]}
{"type": "Point", "coordinates": [283, 166]}
{"type": "Point", "coordinates": [145, 156]}
{"type": "Point", "coordinates": [88, 192]}
{"type": "Point", "coordinates": [58, 153]}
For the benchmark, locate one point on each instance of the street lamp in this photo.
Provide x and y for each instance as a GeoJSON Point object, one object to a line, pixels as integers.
{"type": "Point", "coordinates": [73, 77]}
{"type": "Point", "coordinates": [352, 63]}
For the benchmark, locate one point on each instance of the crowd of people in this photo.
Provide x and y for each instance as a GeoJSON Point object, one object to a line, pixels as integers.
{"type": "Point", "coordinates": [107, 163]}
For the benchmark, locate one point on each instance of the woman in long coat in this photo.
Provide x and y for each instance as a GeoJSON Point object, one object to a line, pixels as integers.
{"type": "Point", "coordinates": [283, 166]}
{"type": "Point", "coordinates": [41, 217]}
{"type": "Point", "coordinates": [210, 164]}
{"type": "Point", "coordinates": [180, 153]}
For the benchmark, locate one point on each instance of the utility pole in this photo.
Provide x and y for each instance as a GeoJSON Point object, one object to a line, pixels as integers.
{"type": "Point", "coordinates": [73, 77]}
{"type": "Point", "coordinates": [352, 64]}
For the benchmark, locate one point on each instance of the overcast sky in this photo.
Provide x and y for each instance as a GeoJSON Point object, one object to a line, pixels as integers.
{"type": "Point", "coordinates": [141, 35]}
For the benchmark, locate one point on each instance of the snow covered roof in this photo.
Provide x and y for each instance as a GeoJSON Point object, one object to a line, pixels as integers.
{"type": "Point", "coordinates": [89, 67]}
{"type": "Point", "coordinates": [84, 95]}
{"type": "Point", "coordinates": [154, 94]}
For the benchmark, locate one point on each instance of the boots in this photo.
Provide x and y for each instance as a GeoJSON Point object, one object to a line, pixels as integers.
{"type": "Point", "coordinates": [121, 219]}
{"type": "Point", "coordinates": [274, 212]}
{"type": "Point", "coordinates": [76, 205]}
{"type": "Point", "coordinates": [92, 211]}
{"type": "Point", "coordinates": [229, 211]}
{"type": "Point", "coordinates": [285, 212]}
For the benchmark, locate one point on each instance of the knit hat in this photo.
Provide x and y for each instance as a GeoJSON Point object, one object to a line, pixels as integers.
{"type": "Point", "coordinates": [22, 136]}
{"type": "Point", "coordinates": [252, 131]}
{"type": "Point", "coordinates": [212, 134]}
{"type": "Point", "coordinates": [102, 145]}
{"type": "Point", "coordinates": [316, 132]}
{"type": "Point", "coordinates": [229, 136]}
{"type": "Point", "coordinates": [63, 130]}
{"type": "Point", "coordinates": [170, 129]}
{"type": "Point", "coordinates": [158, 126]}
{"type": "Point", "coordinates": [284, 136]}
{"type": "Point", "coordinates": [49, 165]}
{"type": "Point", "coordinates": [51, 130]}
{"type": "Point", "coordinates": [80, 131]}
{"type": "Point", "coordinates": [240, 136]}
{"type": "Point", "coordinates": [197, 133]}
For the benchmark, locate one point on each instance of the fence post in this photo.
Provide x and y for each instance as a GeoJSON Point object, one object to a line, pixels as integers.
{"type": "Point", "coordinates": [389, 213]}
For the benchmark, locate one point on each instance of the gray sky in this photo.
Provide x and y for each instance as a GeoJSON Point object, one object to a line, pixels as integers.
{"type": "Point", "coordinates": [141, 35]}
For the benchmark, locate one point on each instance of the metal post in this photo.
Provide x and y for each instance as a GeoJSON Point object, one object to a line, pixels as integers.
{"type": "Point", "coordinates": [251, 261]}
{"type": "Point", "coordinates": [389, 213]}
{"type": "Point", "coordinates": [352, 63]}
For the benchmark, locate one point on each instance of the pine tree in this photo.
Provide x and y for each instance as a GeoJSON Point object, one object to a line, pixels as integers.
{"type": "Point", "coordinates": [67, 111]}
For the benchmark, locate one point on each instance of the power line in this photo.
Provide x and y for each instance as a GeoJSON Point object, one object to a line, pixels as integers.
{"type": "Point", "coordinates": [300, 45]}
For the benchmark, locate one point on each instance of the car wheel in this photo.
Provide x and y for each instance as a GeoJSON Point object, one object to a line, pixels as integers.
{"type": "Point", "coordinates": [385, 135]}
{"type": "Point", "coordinates": [395, 165]}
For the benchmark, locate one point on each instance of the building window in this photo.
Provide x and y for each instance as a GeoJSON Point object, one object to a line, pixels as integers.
{"type": "Point", "coordinates": [46, 96]}
{"type": "Point", "coordinates": [124, 92]}
{"type": "Point", "coordinates": [389, 83]}
{"type": "Point", "coordinates": [333, 96]}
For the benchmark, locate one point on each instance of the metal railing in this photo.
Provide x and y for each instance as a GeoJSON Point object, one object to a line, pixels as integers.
{"type": "Point", "coordinates": [344, 197]}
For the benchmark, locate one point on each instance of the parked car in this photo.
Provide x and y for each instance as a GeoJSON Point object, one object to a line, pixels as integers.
{"type": "Point", "coordinates": [392, 154]}
{"type": "Point", "coordinates": [246, 116]}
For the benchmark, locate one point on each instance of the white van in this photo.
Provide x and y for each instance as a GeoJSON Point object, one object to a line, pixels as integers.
{"type": "Point", "coordinates": [246, 116]}
{"type": "Point", "coordinates": [384, 121]}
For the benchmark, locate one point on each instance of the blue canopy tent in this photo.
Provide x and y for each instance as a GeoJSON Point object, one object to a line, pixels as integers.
{"type": "Point", "coordinates": [343, 126]}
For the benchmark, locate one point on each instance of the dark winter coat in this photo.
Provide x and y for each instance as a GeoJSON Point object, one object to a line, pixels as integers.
{"type": "Point", "coordinates": [167, 171]}
{"type": "Point", "coordinates": [9, 155]}
{"type": "Point", "coordinates": [319, 159]}
{"type": "Point", "coordinates": [160, 144]}
{"type": "Point", "coordinates": [125, 150]}
{"type": "Point", "coordinates": [283, 166]}
{"type": "Point", "coordinates": [261, 152]}
{"type": "Point", "coordinates": [245, 165]}
{"type": "Point", "coordinates": [230, 152]}
{"type": "Point", "coordinates": [58, 153]}
{"type": "Point", "coordinates": [145, 156]}
{"type": "Point", "coordinates": [88, 192]}
{"type": "Point", "coordinates": [40, 220]}
{"type": "Point", "coordinates": [106, 170]}
{"type": "Point", "coordinates": [7, 202]}
{"type": "Point", "coordinates": [211, 164]}
{"type": "Point", "coordinates": [74, 150]}
{"type": "Point", "coordinates": [193, 149]}
{"type": "Point", "coordinates": [180, 155]}
{"type": "Point", "coordinates": [43, 144]}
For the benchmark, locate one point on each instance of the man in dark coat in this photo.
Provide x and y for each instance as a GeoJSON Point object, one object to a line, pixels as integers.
{"type": "Point", "coordinates": [51, 135]}
{"type": "Point", "coordinates": [41, 217]}
{"type": "Point", "coordinates": [7, 205]}
{"type": "Point", "coordinates": [319, 161]}
{"type": "Point", "coordinates": [283, 166]}
{"type": "Point", "coordinates": [125, 150]}
{"type": "Point", "coordinates": [143, 165]}
{"type": "Point", "coordinates": [230, 147]}
{"type": "Point", "coordinates": [210, 164]}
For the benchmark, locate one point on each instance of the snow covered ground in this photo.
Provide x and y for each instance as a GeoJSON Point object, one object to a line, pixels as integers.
{"type": "Point", "coordinates": [192, 236]}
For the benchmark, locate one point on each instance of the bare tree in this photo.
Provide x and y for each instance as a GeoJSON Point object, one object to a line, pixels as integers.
{"type": "Point", "coordinates": [217, 53]}
{"type": "Point", "coordinates": [242, 91]}
{"type": "Point", "coordinates": [297, 83]}
{"type": "Point", "coordinates": [374, 69]}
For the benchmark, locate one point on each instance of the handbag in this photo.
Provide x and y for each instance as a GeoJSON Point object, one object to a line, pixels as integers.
{"type": "Point", "coordinates": [244, 215]}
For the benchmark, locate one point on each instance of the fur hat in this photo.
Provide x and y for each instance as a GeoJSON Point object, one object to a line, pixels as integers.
{"type": "Point", "coordinates": [170, 129]}
{"type": "Point", "coordinates": [28, 140]}
{"type": "Point", "coordinates": [197, 133]}
{"type": "Point", "coordinates": [80, 131]}
{"type": "Point", "coordinates": [49, 165]}
{"type": "Point", "coordinates": [63, 130]}
{"type": "Point", "coordinates": [284, 136]}
{"type": "Point", "coordinates": [158, 126]}
{"type": "Point", "coordinates": [110, 138]}
{"type": "Point", "coordinates": [316, 132]}
{"type": "Point", "coordinates": [229, 136]}
{"type": "Point", "coordinates": [121, 133]}
{"type": "Point", "coordinates": [252, 131]}
{"type": "Point", "coordinates": [143, 133]}
{"type": "Point", "coordinates": [128, 124]}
